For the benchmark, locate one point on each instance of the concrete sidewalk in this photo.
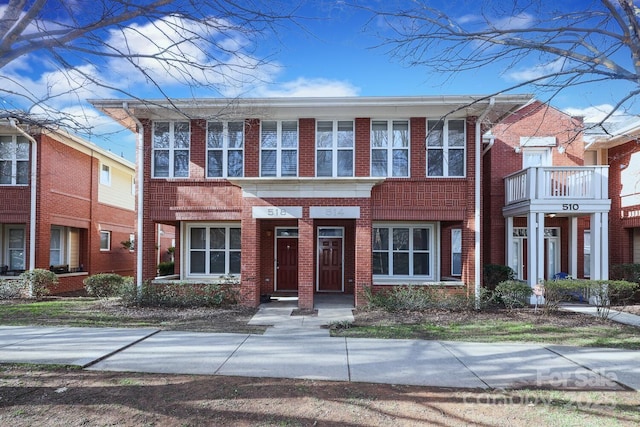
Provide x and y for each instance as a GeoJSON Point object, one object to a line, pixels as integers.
{"type": "Point", "coordinates": [298, 347]}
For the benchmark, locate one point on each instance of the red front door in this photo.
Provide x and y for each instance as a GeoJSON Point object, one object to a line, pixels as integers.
{"type": "Point", "coordinates": [287, 265]}
{"type": "Point", "coordinates": [330, 265]}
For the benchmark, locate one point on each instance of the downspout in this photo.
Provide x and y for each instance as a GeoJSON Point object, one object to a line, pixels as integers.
{"type": "Point", "coordinates": [33, 200]}
{"type": "Point", "coordinates": [140, 192]}
{"type": "Point", "coordinates": [478, 188]}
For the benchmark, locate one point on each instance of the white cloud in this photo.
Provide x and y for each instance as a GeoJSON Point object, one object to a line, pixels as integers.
{"type": "Point", "coordinates": [596, 113]}
{"type": "Point", "coordinates": [313, 87]}
{"type": "Point", "coordinates": [516, 22]}
{"type": "Point", "coordinates": [535, 72]}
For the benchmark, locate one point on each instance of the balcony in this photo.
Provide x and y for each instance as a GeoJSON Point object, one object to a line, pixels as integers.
{"type": "Point", "coordinates": [557, 189]}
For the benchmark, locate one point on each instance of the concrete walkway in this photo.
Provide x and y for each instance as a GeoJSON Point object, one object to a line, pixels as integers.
{"type": "Point", "coordinates": [298, 347]}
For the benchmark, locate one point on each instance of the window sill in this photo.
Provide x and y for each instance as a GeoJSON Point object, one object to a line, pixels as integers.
{"type": "Point", "coordinates": [79, 273]}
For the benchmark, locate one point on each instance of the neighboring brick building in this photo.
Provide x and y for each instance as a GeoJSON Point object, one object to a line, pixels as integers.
{"type": "Point", "coordinates": [82, 209]}
{"type": "Point", "coordinates": [533, 175]}
{"type": "Point", "coordinates": [310, 195]}
{"type": "Point", "coordinates": [620, 149]}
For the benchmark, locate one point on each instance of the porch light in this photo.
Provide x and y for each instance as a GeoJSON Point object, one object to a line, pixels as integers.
{"type": "Point", "coordinates": [561, 149]}
{"type": "Point", "coordinates": [517, 150]}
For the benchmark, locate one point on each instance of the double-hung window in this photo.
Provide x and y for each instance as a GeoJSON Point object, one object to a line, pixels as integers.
{"type": "Point", "coordinates": [14, 160]}
{"type": "Point", "coordinates": [446, 146]}
{"type": "Point", "coordinates": [403, 251]}
{"type": "Point", "coordinates": [105, 175]}
{"type": "Point", "coordinates": [213, 249]}
{"type": "Point", "coordinates": [334, 148]}
{"type": "Point", "coordinates": [171, 142]}
{"type": "Point", "coordinates": [16, 247]}
{"type": "Point", "coordinates": [390, 148]}
{"type": "Point", "coordinates": [279, 148]}
{"type": "Point", "coordinates": [225, 141]}
{"type": "Point", "coordinates": [64, 247]}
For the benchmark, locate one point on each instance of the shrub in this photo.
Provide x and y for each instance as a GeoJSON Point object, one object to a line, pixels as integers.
{"type": "Point", "coordinates": [418, 298]}
{"type": "Point", "coordinates": [104, 285]}
{"type": "Point", "coordinates": [166, 268]}
{"type": "Point", "coordinates": [179, 294]}
{"type": "Point", "coordinates": [493, 274]}
{"type": "Point", "coordinates": [628, 272]}
{"type": "Point", "coordinates": [513, 293]}
{"type": "Point", "coordinates": [603, 292]}
{"type": "Point", "coordinates": [558, 291]}
{"type": "Point", "coordinates": [39, 281]}
{"type": "Point", "coordinates": [10, 289]}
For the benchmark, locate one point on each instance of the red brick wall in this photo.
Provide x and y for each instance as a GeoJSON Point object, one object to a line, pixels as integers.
{"type": "Point", "coordinates": [622, 220]}
{"type": "Point", "coordinates": [501, 160]}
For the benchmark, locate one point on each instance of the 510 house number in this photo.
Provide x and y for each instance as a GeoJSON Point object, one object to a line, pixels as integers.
{"type": "Point", "coordinates": [570, 207]}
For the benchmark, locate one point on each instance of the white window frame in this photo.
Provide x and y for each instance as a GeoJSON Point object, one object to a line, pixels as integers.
{"type": "Point", "coordinates": [337, 147]}
{"type": "Point", "coordinates": [208, 250]}
{"type": "Point", "coordinates": [225, 148]}
{"type": "Point", "coordinates": [390, 146]}
{"type": "Point", "coordinates": [431, 251]}
{"type": "Point", "coordinates": [280, 148]}
{"type": "Point", "coordinates": [105, 175]}
{"type": "Point", "coordinates": [442, 142]}
{"type": "Point", "coordinates": [587, 253]}
{"type": "Point", "coordinates": [14, 159]}
{"type": "Point", "coordinates": [454, 250]}
{"type": "Point", "coordinates": [108, 236]}
{"type": "Point", "coordinates": [171, 149]}
{"type": "Point", "coordinates": [545, 153]}
{"type": "Point", "coordinates": [9, 250]}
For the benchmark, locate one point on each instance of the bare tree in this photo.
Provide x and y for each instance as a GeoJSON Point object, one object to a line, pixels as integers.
{"type": "Point", "coordinates": [574, 43]}
{"type": "Point", "coordinates": [91, 48]}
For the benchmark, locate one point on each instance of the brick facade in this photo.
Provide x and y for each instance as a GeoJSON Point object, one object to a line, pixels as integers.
{"type": "Point", "coordinates": [67, 197]}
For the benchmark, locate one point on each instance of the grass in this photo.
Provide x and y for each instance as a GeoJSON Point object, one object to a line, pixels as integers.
{"type": "Point", "coordinates": [511, 331]}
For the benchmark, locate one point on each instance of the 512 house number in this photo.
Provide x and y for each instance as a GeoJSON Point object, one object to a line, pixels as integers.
{"type": "Point", "coordinates": [570, 207]}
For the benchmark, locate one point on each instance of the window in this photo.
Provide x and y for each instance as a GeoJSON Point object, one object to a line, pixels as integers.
{"type": "Point", "coordinates": [587, 253]}
{"type": "Point", "coordinates": [456, 252]}
{"type": "Point", "coordinates": [16, 248]}
{"type": "Point", "coordinates": [403, 251]}
{"type": "Point", "coordinates": [279, 148]}
{"type": "Point", "coordinates": [105, 175]}
{"type": "Point", "coordinates": [532, 157]}
{"type": "Point", "coordinates": [105, 240]}
{"type": "Point", "coordinates": [14, 160]}
{"type": "Point", "coordinates": [171, 142]}
{"type": "Point", "coordinates": [446, 145]}
{"type": "Point", "coordinates": [390, 148]}
{"type": "Point", "coordinates": [334, 148]}
{"type": "Point", "coordinates": [64, 247]}
{"type": "Point", "coordinates": [225, 141]}
{"type": "Point", "coordinates": [213, 249]}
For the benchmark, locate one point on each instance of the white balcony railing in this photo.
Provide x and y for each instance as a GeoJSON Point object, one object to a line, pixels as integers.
{"type": "Point", "coordinates": [557, 182]}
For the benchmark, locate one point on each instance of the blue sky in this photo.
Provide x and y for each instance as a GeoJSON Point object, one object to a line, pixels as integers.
{"type": "Point", "coordinates": [332, 56]}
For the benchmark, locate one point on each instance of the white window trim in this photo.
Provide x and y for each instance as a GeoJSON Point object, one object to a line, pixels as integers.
{"type": "Point", "coordinates": [335, 149]}
{"type": "Point", "coordinates": [105, 175]}
{"type": "Point", "coordinates": [186, 249]}
{"type": "Point", "coordinates": [434, 244]}
{"type": "Point", "coordinates": [225, 149]}
{"type": "Point", "coordinates": [279, 148]}
{"type": "Point", "coordinates": [445, 150]}
{"type": "Point", "coordinates": [108, 248]}
{"type": "Point", "coordinates": [171, 149]}
{"type": "Point", "coordinates": [8, 249]}
{"type": "Point", "coordinates": [546, 155]}
{"type": "Point", "coordinates": [14, 159]}
{"type": "Point", "coordinates": [456, 231]}
{"type": "Point", "coordinates": [390, 148]}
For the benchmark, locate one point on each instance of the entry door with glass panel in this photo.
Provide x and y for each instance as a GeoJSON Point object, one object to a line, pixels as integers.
{"type": "Point", "coordinates": [286, 259]}
{"type": "Point", "coordinates": [330, 260]}
{"type": "Point", "coordinates": [551, 253]}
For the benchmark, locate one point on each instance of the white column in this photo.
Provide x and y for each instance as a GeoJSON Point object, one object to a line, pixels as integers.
{"type": "Point", "coordinates": [596, 242]}
{"type": "Point", "coordinates": [604, 246]}
{"type": "Point", "coordinates": [540, 245]}
{"type": "Point", "coordinates": [532, 250]}
{"type": "Point", "coordinates": [573, 247]}
{"type": "Point", "coordinates": [508, 245]}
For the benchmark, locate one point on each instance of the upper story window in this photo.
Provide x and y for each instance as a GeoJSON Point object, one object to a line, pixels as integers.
{"type": "Point", "coordinates": [14, 160]}
{"type": "Point", "coordinates": [225, 142]}
{"type": "Point", "coordinates": [279, 148]}
{"type": "Point", "coordinates": [532, 157]}
{"type": "Point", "coordinates": [390, 148]}
{"type": "Point", "coordinates": [105, 175]}
{"type": "Point", "coordinates": [170, 152]}
{"type": "Point", "coordinates": [334, 148]}
{"type": "Point", "coordinates": [446, 145]}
